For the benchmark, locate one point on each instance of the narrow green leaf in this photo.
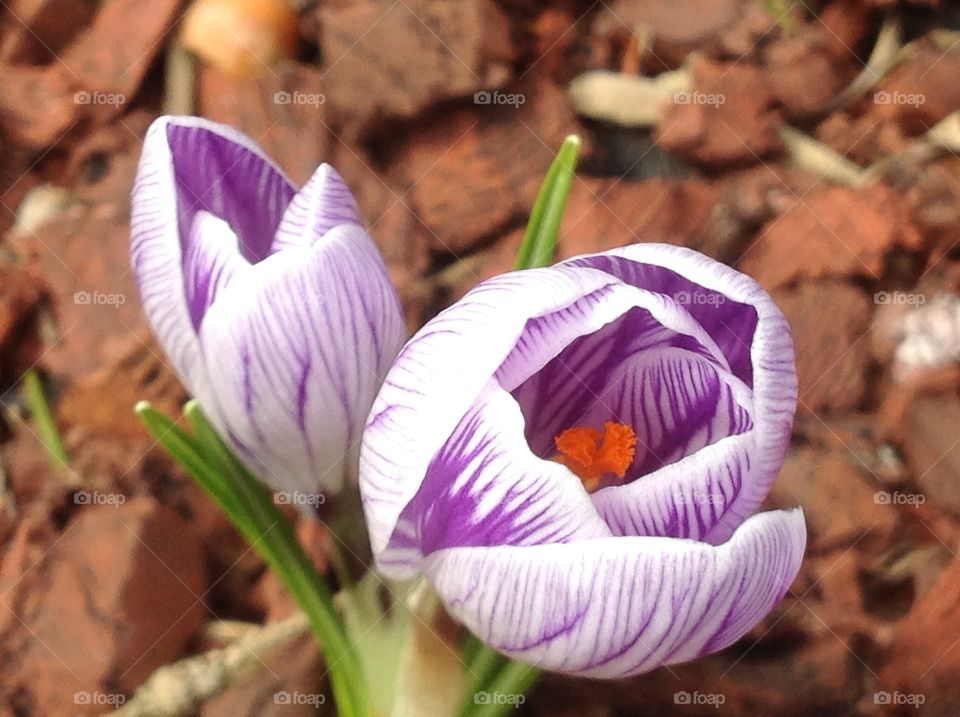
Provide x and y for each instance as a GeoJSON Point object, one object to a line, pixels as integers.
{"type": "Point", "coordinates": [274, 538]}
{"type": "Point", "coordinates": [185, 450]}
{"type": "Point", "coordinates": [483, 664]}
{"type": "Point", "coordinates": [505, 692]}
{"type": "Point", "coordinates": [43, 417]}
{"type": "Point", "coordinates": [543, 229]}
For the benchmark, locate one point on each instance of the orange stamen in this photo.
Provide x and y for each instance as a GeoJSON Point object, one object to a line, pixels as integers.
{"type": "Point", "coordinates": [592, 454]}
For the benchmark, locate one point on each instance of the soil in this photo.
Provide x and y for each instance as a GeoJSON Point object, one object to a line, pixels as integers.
{"type": "Point", "coordinates": [816, 148]}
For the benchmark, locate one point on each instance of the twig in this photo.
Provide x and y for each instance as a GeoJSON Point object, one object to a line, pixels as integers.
{"type": "Point", "coordinates": [887, 51]}
{"type": "Point", "coordinates": [813, 156]}
{"type": "Point", "coordinates": [177, 689]}
{"type": "Point", "coordinates": [626, 100]}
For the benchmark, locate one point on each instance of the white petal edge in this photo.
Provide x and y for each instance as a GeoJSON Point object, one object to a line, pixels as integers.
{"type": "Point", "coordinates": [156, 248]}
{"type": "Point", "coordinates": [616, 607]}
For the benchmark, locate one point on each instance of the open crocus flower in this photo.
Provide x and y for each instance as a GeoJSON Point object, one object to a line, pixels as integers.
{"type": "Point", "coordinates": [272, 304]}
{"type": "Point", "coordinates": [572, 457]}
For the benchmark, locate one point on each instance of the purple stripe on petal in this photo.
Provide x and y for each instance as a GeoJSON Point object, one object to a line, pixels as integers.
{"type": "Point", "coordinates": [729, 322]}
{"type": "Point", "coordinates": [299, 346]}
{"type": "Point", "coordinates": [614, 607]}
{"type": "Point", "coordinates": [677, 403]}
{"type": "Point", "coordinates": [712, 292]}
{"type": "Point", "coordinates": [486, 488]}
{"type": "Point", "coordinates": [597, 378]}
{"type": "Point", "coordinates": [685, 499]}
{"type": "Point", "coordinates": [210, 260]}
{"type": "Point", "coordinates": [323, 203]}
{"type": "Point", "coordinates": [218, 170]}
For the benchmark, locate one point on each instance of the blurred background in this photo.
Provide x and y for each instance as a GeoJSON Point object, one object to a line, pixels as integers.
{"type": "Point", "coordinates": [814, 145]}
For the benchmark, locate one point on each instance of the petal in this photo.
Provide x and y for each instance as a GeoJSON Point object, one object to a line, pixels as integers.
{"type": "Point", "coordinates": [615, 607]}
{"type": "Point", "coordinates": [642, 370]}
{"type": "Point", "coordinates": [677, 402]}
{"type": "Point", "coordinates": [485, 487]}
{"type": "Point", "coordinates": [444, 368]}
{"type": "Point", "coordinates": [299, 346]}
{"type": "Point", "coordinates": [219, 170]}
{"type": "Point", "coordinates": [210, 261]}
{"type": "Point", "coordinates": [324, 202]}
{"type": "Point", "coordinates": [189, 166]}
{"type": "Point", "coordinates": [754, 336]}
{"type": "Point", "coordinates": [685, 499]}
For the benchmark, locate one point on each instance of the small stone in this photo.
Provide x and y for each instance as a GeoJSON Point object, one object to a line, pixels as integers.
{"type": "Point", "coordinates": [932, 450]}
{"type": "Point", "coordinates": [127, 580]}
{"type": "Point", "coordinates": [831, 232]}
{"type": "Point", "coordinates": [390, 60]}
{"type": "Point", "coordinates": [729, 117]}
{"type": "Point", "coordinates": [819, 480]}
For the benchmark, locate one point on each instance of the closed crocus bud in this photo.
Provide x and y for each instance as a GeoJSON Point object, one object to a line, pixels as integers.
{"type": "Point", "coordinates": [272, 303]}
{"type": "Point", "coordinates": [574, 456]}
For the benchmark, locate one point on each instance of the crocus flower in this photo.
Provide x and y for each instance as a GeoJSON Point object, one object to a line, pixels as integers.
{"type": "Point", "coordinates": [572, 456]}
{"type": "Point", "coordinates": [272, 303]}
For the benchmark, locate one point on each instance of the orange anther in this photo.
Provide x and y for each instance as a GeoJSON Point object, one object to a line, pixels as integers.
{"type": "Point", "coordinates": [592, 454]}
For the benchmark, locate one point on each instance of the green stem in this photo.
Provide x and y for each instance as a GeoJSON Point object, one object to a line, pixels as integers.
{"type": "Point", "coordinates": [505, 692]}
{"type": "Point", "coordinates": [482, 665]}
{"type": "Point", "coordinates": [43, 417]}
{"type": "Point", "coordinates": [250, 506]}
{"type": "Point", "coordinates": [284, 554]}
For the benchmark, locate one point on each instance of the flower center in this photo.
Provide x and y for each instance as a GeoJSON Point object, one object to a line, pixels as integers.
{"type": "Point", "coordinates": [592, 454]}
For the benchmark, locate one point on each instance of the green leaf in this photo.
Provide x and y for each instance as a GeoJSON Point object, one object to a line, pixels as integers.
{"type": "Point", "coordinates": [483, 664]}
{"type": "Point", "coordinates": [505, 692]}
{"type": "Point", "coordinates": [187, 452]}
{"type": "Point", "coordinates": [543, 229]}
{"type": "Point", "coordinates": [42, 416]}
{"type": "Point", "coordinates": [250, 506]}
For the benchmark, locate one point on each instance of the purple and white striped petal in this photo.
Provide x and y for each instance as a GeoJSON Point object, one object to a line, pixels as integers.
{"type": "Point", "coordinates": [755, 338]}
{"type": "Point", "coordinates": [300, 347]}
{"type": "Point", "coordinates": [614, 607]}
{"type": "Point", "coordinates": [191, 167]}
{"type": "Point", "coordinates": [485, 487]}
{"type": "Point", "coordinates": [323, 203]}
{"type": "Point", "coordinates": [508, 328]}
{"type": "Point", "coordinates": [274, 305]}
